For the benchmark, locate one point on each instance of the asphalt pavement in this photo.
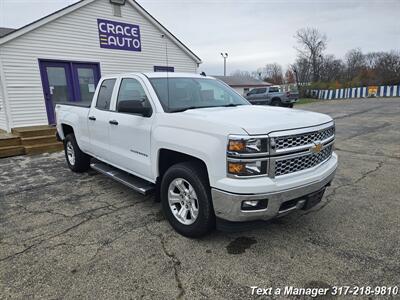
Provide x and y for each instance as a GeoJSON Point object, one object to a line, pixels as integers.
{"type": "Point", "coordinates": [66, 235]}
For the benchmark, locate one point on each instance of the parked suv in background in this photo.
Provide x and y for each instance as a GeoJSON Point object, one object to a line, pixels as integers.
{"type": "Point", "coordinates": [272, 96]}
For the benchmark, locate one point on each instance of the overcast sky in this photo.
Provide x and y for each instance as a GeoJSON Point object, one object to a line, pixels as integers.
{"type": "Point", "coordinates": [253, 32]}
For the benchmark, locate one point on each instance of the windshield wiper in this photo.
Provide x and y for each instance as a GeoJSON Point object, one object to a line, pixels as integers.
{"type": "Point", "coordinates": [194, 107]}
{"type": "Point", "coordinates": [189, 107]}
{"type": "Point", "coordinates": [231, 105]}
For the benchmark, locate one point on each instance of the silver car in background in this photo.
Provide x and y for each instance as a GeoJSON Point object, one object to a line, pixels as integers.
{"type": "Point", "coordinates": [272, 96]}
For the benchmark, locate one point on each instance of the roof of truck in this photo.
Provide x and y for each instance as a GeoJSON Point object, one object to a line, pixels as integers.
{"type": "Point", "coordinates": [160, 75]}
{"type": "Point", "coordinates": [172, 74]}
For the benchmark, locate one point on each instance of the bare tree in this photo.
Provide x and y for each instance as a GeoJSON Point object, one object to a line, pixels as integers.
{"type": "Point", "coordinates": [290, 76]}
{"type": "Point", "coordinates": [242, 74]}
{"type": "Point", "coordinates": [388, 67]}
{"type": "Point", "coordinates": [302, 70]}
{"type": "Point", "coordinates": [273, 73]}
{"type": "Point", "coordinates": [355, 62]}
{"type": "Point", "coordinates": [312, 43]}
{"type": "Point", "coordinates": [331, 69]}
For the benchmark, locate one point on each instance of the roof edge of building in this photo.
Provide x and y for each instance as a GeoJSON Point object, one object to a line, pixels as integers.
{"type": "Point", "coordinates": [72, 7]}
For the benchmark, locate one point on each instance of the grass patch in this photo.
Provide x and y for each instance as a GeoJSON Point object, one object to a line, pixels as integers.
{"type": "Point", "coordinates": [307, 100]}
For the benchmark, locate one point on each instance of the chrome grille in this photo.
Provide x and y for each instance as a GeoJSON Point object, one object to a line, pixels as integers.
{"type": "Point", "coordinates": [285, 142]}
{"type": "Point", "coordinates": [290, 165]}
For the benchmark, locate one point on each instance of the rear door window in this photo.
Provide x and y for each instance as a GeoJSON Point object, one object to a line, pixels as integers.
{"type": "Point", "coordinates": [105, 94]}
{"type": "Point", "coordinates": [273, 89]}
{"type": "Point", "coordinates": [253, 91]}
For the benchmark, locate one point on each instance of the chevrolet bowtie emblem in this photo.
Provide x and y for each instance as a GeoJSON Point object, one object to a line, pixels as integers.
{"type": "Point", "coordinates": [316, 148]}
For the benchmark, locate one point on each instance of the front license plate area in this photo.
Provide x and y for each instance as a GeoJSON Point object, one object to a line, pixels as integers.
{"type": "Point", "coordinates": [313, 199]}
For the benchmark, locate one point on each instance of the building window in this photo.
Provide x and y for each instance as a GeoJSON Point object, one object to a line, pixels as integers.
{"type": "Point", "coordinates": [163, 69]}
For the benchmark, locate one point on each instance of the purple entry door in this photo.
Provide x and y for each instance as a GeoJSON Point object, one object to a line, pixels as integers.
{"type": "Point", "coordinates": [67, 82]}
{"type": "Point", "coordinates": [57, 85]}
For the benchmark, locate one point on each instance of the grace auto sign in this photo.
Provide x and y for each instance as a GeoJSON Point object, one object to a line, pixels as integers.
{"type": "Point", "coordinates": [117, 35]}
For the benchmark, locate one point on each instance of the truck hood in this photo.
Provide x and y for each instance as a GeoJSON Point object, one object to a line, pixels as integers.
{"type": "Point", "coordinates": [259, 119]}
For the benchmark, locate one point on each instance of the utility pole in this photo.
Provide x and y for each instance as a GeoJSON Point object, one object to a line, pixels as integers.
{"type": "Point", "coordinates": [224, 56]}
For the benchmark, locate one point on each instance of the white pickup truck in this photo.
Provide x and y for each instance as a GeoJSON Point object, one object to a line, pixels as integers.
{"type": "Point", "coordinates": [209, 155]}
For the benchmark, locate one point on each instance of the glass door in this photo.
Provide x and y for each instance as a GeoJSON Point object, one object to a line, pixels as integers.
{"type": "Point", "coordinates": [57, 85]}
{"type": "Point", "coordinates": [86, 77]}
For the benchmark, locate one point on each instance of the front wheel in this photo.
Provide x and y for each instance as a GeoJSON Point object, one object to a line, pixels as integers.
{"type": "Point", "coordinates": [275, 102]}
{"type": "Point", "coordinates": [77, 160]}
{"type": "Point", "coordinates": [186, 199]}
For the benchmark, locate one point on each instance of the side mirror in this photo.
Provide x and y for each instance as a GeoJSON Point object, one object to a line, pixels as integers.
{"type": "Point", "coordinates": [134, 107]}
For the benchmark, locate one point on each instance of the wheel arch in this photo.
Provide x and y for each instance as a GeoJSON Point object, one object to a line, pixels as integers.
{"type": "Point", "coordinates": [168, 158]}
{"type": "Point", "coordinates": [66, 129]}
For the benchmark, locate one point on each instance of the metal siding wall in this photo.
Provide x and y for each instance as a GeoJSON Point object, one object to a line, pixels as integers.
{"type": "Point", "coordinates": [2, 109]}
{"type": "Point", "coordinates": [239, 90]}
{"type": "Point", "coordinates": [75, 37]}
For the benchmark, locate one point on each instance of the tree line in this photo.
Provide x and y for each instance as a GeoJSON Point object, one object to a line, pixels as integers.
{"type": "Point", "coordinates": [313, 68]}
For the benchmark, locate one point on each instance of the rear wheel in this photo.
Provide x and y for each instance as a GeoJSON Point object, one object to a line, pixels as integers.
{"type": "Point", "coordinates": [186, 199]}
{"type": "Point", "coordinates": [77, 160]}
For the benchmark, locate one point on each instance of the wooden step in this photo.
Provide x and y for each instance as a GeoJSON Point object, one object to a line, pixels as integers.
{"type": "Point", "coordinates": [44, 148]}
{"type": "Point", "coordinates": [38, 140]}
{"type": "Point", "coordinates": [11, 151]}
{"type": "Point", "coordinates": [34, 131]}
{"type": "Point", "coordinates": [9, 140]}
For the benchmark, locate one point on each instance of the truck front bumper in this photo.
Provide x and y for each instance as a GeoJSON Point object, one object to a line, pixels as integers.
{"type": "Point", "coordinates": [228, 206]}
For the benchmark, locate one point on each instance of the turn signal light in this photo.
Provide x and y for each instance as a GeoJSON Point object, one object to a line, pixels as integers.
{"type": "Point", "coordinates": [236, 168]}
{"type": "Point", "coordinates": [237, 145]}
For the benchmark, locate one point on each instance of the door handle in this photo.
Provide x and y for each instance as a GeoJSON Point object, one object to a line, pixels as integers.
{"type": "Point", "coordinates": [113, 122]}
{"type": "Point", "coordinates": [92, 118]}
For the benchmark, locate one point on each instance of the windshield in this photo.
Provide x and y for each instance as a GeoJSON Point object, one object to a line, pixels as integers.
{"type": "Point", "coordinates": [179, 94]}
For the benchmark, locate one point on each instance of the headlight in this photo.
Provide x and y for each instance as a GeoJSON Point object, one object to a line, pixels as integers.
{"type": "Point", "coordinates": [247, 156]}
{"type": "Point", "coordinates": [247, 145]}
{"type": "Point", "coordinates": [250, 168]}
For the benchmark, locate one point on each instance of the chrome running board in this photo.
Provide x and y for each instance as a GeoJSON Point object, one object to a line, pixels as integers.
{"type": "Point", "coordinates": [138, 184]}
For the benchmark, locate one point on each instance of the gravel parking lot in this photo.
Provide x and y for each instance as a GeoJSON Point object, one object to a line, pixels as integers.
{"type": "Point", "coordinates": [64, 235]}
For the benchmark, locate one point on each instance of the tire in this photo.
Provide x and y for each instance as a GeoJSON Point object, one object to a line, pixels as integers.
{"type": "Point", "coordinates": [187, 176]}
{"type": "Point", "coordinates": [275, 102]}
{"type": "Point", "coordinates": [77, 160]}
{"type": "Point", "coordinates": [290, 105]}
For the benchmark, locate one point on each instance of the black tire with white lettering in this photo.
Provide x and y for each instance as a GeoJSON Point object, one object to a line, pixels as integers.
{"type": "Point", "coordinates": [77, 160]}
{"type": "Point", "coordinates": [186, 199]}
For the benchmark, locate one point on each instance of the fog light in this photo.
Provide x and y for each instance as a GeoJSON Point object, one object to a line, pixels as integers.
{"type": "Point", "coordinates": [250, 203]}
{"type": "Point", "coordinates": [254, 204]}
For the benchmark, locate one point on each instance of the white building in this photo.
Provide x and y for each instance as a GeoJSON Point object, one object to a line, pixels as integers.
{"type": "Point", "coordinates": [62, 56]}
{"type": "Point", "coordinates": [243, 84]}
